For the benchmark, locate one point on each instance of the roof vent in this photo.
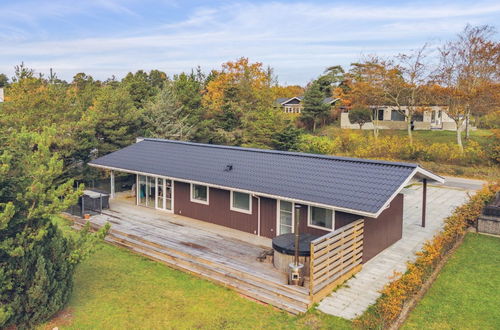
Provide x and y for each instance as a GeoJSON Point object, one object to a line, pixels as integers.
{"type": "Point", "coordinates": [228, 168]}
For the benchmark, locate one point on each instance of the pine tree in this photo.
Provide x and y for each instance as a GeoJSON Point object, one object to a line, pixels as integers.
{"type": "Point", "coordinates": [37, 260]}
{"type": "Point", "coordinates": [167, 118]}
{"type": "Point", "coordinates": [115, 121]}
{"type": "Point", "coordinates": [315, 109]}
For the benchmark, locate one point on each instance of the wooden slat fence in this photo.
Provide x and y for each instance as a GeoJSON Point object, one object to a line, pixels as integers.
{"type": "Point", "coordinates": [334, 258]}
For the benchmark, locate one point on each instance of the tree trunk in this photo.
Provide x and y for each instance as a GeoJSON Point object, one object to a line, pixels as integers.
{"type": "Point", "coordinates": [314, 125]}
{"type": "Point", "coordinates": [459, 137]}
{"type": "Point", "coordinates": [410, 133]}
{"type": "Point", "coordinates": [467, 128]}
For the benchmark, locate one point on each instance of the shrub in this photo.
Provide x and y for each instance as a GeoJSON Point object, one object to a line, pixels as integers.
{"type": "Point", "coordinates": [395, 294]}
{"type": "Point", "coordinates": [319, 144]}
{"type": "Point", "coordinates": [349, 143]}
{"type": "Point", "coordinates": [360, 115]}
{"type": "Point", "coordinates": [494, 147]}
{"type": "Point", "coordinates": [490, 121]}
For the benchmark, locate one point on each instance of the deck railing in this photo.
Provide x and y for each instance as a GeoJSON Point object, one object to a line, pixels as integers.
{"type": "Point", "coordinates": [334, 258]}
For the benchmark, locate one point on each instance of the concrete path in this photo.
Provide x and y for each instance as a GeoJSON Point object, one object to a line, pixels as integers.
{"type": "Point", "coordinates": [361, 291]}
{"type": "Point", "coordinates": [462, 183]}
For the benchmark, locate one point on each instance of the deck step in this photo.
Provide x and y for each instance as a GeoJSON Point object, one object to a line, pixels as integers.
{"type": "Point", "coordinates": [242, 271]}
{"type": "Point", "coordinates": [241, 287]}
{"type": "Point", "coordinates": [289, 298]}
{"type": "Point", "coordinates": [251, 280]}
{"type": "Point", "coordinates": [243, 267]}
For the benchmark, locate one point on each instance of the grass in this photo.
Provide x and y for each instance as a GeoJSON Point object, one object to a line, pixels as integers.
{"type": "Point", "coordinates": [116, 289]}
{"type": "Point", "coordinates": [466, 293]}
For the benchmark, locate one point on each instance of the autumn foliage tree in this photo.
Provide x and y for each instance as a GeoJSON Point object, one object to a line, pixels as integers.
{"type": "Point", "coordinates": [365, 79]}
{"type": "Point", "coordinates": [245, 85]}
{"type": "Point", "coordinates": [469, 69]}
{"type": "Point", "coordinates": [239, 106]}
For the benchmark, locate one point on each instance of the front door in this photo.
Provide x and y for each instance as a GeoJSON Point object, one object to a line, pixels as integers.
{"type": "Point", "coordinates": [285, 217]}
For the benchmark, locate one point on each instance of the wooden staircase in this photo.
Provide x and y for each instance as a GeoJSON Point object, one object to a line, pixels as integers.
{"type": "Point", "coordinates": [260, 287]}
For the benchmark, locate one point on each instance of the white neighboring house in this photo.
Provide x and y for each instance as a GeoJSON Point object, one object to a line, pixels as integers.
{"type": "Point", "coordinates": [434, 117]}
{"type": "Point", "coordinates": [1, 94]}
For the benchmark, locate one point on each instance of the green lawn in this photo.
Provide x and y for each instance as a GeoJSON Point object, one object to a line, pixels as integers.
{"type": "Point", "coordinates": [116, 289]}
{"type": "Point", "coordinates": [466, 294]}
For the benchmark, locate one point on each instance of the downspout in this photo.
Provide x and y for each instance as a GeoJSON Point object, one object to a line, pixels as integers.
{"type": "Point", "coordinates": [258, 214]}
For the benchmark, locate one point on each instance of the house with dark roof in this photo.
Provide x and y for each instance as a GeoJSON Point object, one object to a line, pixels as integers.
{"type": "Point", "coordinates": [294, 104]}
{"type": "Point", "coordinates": [256, 191]}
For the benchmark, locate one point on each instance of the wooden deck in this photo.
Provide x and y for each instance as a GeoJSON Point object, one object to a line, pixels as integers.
{"type": "Point", "coordinates": [213, 252]}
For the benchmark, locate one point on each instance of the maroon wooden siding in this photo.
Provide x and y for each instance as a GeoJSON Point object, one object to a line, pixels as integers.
{"type": "Point", "coordinates": [268, 216]}
{"type": "Point", "coordinates": [379, 233]}
{"type": "Point", "coordinates": [218, 211]}
{"type": "Point", "coordinates": [382, 232]}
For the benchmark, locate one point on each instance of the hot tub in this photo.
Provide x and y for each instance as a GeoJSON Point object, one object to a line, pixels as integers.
{"type": "Point", "coordinates": [284, 251]}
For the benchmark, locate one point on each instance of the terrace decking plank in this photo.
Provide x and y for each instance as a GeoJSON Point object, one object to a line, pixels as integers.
{"type": "Point", "coordinates": [212, 253]}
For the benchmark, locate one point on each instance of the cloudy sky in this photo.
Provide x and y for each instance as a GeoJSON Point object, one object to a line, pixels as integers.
{"type": "Point", "coordinates": [297, 38]}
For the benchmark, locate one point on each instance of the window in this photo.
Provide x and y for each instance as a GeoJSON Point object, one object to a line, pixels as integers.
{"type": "Point", "coordinates": [321, 218]}
{"type": "Point", "coordinates": [241, 202]}
{"type": "Point", "coordinates": [380, 114]}
{"type": "Point", "coordinates": [285, 217]}
{"type": "Point", "coordinates": [199, 193]}
{"type": "Point", "coordinates": [397, 116]}
{"type": "Point", "coordinates": [418, 116]}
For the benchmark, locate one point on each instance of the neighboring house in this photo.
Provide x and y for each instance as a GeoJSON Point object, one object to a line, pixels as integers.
{"type": "Point", "coordinates": [1, 95]}
{"type": "Point", "coordinates": [294, 104]}
{"type": "Point", "coordinates": [256, 191]}
{"type": "Point", "coordinates": [433, 117]}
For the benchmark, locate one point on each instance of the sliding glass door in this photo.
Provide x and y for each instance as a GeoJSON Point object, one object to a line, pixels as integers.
{"type": "Point", "coordinates": [142, 190]}
{"type": "Point", "coordinates": [164, 195]}
{"type": "Point", "coordinates": [155, 192]}
{"type": "Point", "coordinates": [169, 195]}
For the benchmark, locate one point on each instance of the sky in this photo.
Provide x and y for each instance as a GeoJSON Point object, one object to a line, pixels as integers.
{"type": "Point", "coordinates": [298, 39]}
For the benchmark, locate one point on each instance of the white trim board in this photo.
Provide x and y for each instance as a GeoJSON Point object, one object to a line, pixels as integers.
{"type": "Point", "coordinates": [235, 209]}
{"type": "Point", "coordinates": [199, 201]}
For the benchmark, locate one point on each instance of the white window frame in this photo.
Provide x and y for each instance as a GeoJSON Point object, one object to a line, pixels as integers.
{"type": "Point", "coordinates": [309, 218]}
{"type": "Point", "coordinates": [207, 202]}
{"type": "Point", "coordinates": [278, 209]}
{"type": "Point", "coordinates": [232, 208]}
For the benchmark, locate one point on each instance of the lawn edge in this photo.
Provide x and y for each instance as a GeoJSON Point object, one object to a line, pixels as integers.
{"type": "Point", "coordinates": [410, 305]}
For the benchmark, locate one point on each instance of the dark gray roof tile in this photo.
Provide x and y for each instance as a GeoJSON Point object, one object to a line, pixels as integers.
{"type": "Point", "coordinates": [357, 184]}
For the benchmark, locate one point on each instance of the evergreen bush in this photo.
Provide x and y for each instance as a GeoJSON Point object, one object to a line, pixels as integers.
{"type": "Point", "coordinates": [37, 260]}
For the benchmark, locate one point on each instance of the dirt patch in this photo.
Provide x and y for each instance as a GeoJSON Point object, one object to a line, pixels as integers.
{"type": "Point", "coordinates": [62, 318]}
{"type": "Point", "coordinates": [194, 245]}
